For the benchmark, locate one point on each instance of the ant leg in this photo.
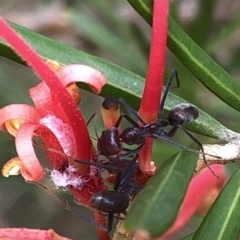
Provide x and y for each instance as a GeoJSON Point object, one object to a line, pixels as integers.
{"type": "Point", "coordinates": [118, 122]}
{"type": "Point", "coordinates": [67, 207]}
{"type": "Point", "coordinates": [174, 74]}
{"type": "Point", "coordinates": [164, 139]}
{"type": "Point", "coordinates": [125, 174]}
{"type": "Point", "coordinates": [110, 221]}
{"type": "Point", "coordinates": [132, 187]}
{"type": "Point", "coordinates": [172, 132]}
{"type": "Point", "coordinates": [130, 152]}
{"type": "Point", "coordinates": [200, 145]}
{"type": "Point", "coordinates": [75, 211]}
{"type": "Point", "coordinates": [129, 110]}
{"type": "Point", "coordinates": [49, 192]}
{"type": "Point", "coordinates": [114, 216]}
{"type": "Point", "coordinates": [97, 164]}
{"type": "Point", "coordinates": [91, 118]}
{"type": "Point", "coordinates": [100, 165]}
{"type": "Point", "coordinates": [130, 120]}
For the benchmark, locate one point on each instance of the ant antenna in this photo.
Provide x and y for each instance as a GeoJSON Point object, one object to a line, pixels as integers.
{"type": "Point", "coordinates": [200, 145]}
{"type": "Point", "coordinates": [188, 149]}
{"type": "Point", "coordinates": [69, 208]}
{"type": "Point", "coordinates": [91, 163]}
{"type": "Point", "coordinates": [91, 118]}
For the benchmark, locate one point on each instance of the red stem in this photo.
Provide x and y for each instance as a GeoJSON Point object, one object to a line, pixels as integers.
{"type": "Point", "coordinates": [152, 92]}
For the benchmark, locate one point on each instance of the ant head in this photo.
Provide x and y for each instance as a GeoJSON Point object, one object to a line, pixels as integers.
{"type": "Point", "coordinates": [182, 113]}
{"type": "Point", "coordinates": [176, 116]}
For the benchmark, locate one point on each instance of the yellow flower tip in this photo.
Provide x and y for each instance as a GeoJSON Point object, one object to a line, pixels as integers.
{"type": "Point", "coordinates": [74, 92]}
{"type": "Point", "coordinates": [54, 65]}
{"type": "Point", "coordinates": [12, 167]}
{"type": "Point", "coordinates": [153, 166]}
{"type": "Point", "coordinates": [13, 125]}
{"type": "Point", "coordinates": [71, 88]}
{"type": "Point", "coordinates": [110, 112]}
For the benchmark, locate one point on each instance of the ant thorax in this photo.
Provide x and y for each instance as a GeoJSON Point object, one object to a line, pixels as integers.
{"type": "Point", "coordinates": [131, 136]}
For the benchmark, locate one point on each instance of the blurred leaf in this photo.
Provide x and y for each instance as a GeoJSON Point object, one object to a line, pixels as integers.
{"type": "Point", "coordinates": [222, 220]}
{"type": "Point", "coordinates": [215, 78]}
{"type": "Point", "coordinates": [17, 92]}
{"type": "Point", "coordinates": [199, 29]}
{"type": "Point", "coordinates": [224, 35]}
{"type": "Point", "coordinates": [162, 196]}
{"type": "Point", "coordinates": [109, 41]}
{"type": "Point", "coordinates": [188, 237]}
{"type": "Point", "coordinates": [121, 83]}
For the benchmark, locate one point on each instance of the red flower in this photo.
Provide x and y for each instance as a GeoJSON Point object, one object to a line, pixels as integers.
{"type": "Point", "coordinates": [200, 188]}
{"type": "Point", "coordinates": [56, 119]}
{"type": "Point", "coordinates": [29, 234]}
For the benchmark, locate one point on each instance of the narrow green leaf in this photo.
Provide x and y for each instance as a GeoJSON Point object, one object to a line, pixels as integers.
{"type": "Point", "coordinates": [214, 77]}
{"type": "Point", "coordinates": [222, 220]}
{"type": "Point", "coordinates": [157, 205]}
{"type": "Point", "coordinates": [121, 83]}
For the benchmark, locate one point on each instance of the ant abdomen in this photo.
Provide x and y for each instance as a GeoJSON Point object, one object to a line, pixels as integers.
{"type": "Point", "coordinates": [110, 201]}
{"type": "Point", "coordinates": [109, 144]}
{"type": "Point", "coordinates": [182, 113]}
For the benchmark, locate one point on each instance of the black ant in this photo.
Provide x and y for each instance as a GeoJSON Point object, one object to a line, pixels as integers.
{"type": "Point", "coordinates": [112, 164]}
{"type": "Point", "coordinates": [109, 144]}
{"type": "Point", "coordinates": [117, 200]}
{"type": "Point", "coordinates": [110, 141]}
{"type": "Point", "coordinates": [110, 202]}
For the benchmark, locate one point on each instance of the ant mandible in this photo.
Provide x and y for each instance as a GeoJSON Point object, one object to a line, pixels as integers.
{"type": "Point", "coordinates": [179, 115]}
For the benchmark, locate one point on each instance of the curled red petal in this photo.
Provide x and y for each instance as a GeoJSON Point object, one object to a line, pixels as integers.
{"type": "Point", "coordinates": [197, 191]}
{"type": "Point", "coordinates": [29, 234]}
{"type": "Point", "coordinates": [65, 106]}
{"type": "Point", "coordinates": [18, 111]}
{"type": "Point", "coordinates": [32, 169]}
{"type": "Point", "coordinates": [82, 73]}
{"type": "Point", "coordinates": [42, 99]}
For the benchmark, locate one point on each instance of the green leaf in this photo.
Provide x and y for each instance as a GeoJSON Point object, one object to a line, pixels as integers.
{"type": "Point", "coordinates": [157, 205]}
{"type": "Point", "coordinates": [214, 77]}
{"type": "Point", "coordinates": [188, 237]}
{"type": "Point", "coordinates": [121, 83]}
{"type": "Point", "coordinates": [222, 220]}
